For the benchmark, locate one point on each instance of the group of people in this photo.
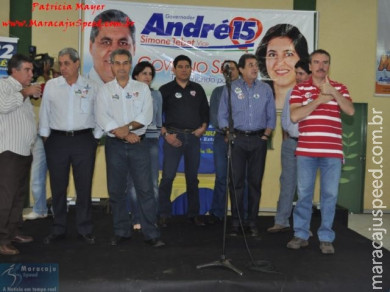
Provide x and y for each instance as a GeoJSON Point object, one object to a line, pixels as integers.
{"type": "Point", "coordinates": [76, 111]}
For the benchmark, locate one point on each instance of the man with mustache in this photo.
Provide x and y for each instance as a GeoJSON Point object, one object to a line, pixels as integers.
{"type": "Point", "coordinates": [316, 104]}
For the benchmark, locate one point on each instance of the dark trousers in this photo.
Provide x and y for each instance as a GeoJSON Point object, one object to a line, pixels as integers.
{"type": "Point", "coordinates": [190, 148]}
{"type": "Point", "coordinates": [248, 158]}
{"type": "Point", "coordinates": [125, 159]}
{"type": "Point", "coordinates": [14, 186]}
{"type": "Point", "coordinates": [79, 152]}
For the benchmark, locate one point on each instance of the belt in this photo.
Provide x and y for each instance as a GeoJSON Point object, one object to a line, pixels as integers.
{"type": "Point", "coordinates": [71, 133]}
{"type": "Point", "coordinates": [249, 133]}
{"type": "Point", "coordinates": [288, 136]}
{"type": "Point", "coordinates": [182, 131]}
{"type": "Point", "coordinates": [141, 137]}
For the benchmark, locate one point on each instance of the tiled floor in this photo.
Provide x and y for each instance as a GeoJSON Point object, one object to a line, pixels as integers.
{"type": "Point", "coordinates": [365, 223]}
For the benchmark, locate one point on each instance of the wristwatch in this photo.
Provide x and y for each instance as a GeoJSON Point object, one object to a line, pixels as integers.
{"type": "Point", "coordinates": [130, 128]}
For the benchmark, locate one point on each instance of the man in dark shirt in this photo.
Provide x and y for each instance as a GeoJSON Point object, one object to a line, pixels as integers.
{"type": "Point", "coordinates": [186, 112]}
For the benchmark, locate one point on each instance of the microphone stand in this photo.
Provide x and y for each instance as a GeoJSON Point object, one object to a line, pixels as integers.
{"type": "Point", "coordinates": [223, 261]}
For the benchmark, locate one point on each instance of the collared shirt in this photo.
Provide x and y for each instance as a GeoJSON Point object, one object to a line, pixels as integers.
{"type": "Point", "coordinates": [290, 127]}
{"type": "Point", "coordinates": [184, 108]}
{"type": "Point", "coordinates": [320, 133]}
{"type": "Point", "coordinates": [17, 122]}
{"type": "Point", "coordinates": [67, 107]}
{"type": "Point", "coordinates": [117, 106]}
{"type": "Point", "coordinates": [214, 105]}
{"type": "Point", "coordinates": [253, 108]}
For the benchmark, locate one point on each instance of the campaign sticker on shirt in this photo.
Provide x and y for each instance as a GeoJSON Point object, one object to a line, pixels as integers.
{"type": "Point", "coordinates": [128, 95]}
{"type": "Point", "coordinates": [238, 90]}
{"type": "Point", "coordinates": [240, 96]}
{"type": "Point", "coordinates": [84, 91]}
{"type": "Point", "coordinates": [178, 95]}
{"type": "Point", "coordinates": [193, 92]}
{"type": "Point", "coordinates": [256, 96]}
{"type": "Point", "coordinates": [115, 96]}
{"type": "Point", "coordinates": [308, 95]}
{"type": "Point", "coordinates": [135, 94]}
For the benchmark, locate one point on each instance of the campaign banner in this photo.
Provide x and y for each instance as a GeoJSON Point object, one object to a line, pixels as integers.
{"type": "Point", "coordinates": [208, 35]}
{"type": "Point", "coordinates": [8, 47]}
{"type": "Point", "coordinates": [382, 81]}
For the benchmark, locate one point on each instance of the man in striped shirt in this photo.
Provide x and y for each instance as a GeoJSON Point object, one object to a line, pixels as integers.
{"type": "Point", "coordinates": [17, 132]}
{"type": "Point", "coordinates": [316, 105]}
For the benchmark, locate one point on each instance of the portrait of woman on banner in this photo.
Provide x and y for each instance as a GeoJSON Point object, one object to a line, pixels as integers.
{"type": "Point", "coordinates": [282, 46]}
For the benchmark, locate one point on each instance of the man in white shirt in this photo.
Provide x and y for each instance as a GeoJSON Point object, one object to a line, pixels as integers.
{"type": "Point", "coordinates": [18, 132]}
{"type": "Point", "coordinates": [68, 127]}
{"type": "Point", "coordinates": [124, 109]}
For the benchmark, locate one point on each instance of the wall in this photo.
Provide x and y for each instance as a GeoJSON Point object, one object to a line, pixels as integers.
{"type": "Point", "coordinates": [4, 15]}
{"type": "Point", "coordinates": [347, 29]}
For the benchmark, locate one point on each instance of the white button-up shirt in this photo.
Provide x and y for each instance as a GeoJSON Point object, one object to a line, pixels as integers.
{"type": "Point", "coordinates": [67, 107]}
{"type": "Point", "coordinates": [117, 106]}
{"type": "Point", "coordinates": [17, 121]}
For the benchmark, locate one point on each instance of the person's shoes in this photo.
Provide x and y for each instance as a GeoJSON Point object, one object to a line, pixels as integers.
{"type": "Point", "coordinates": [155, 242]}
{"type": "Point", "coordinates": [212, 220]}
{"type": "Point", "coordinates": [53, 238]}
{"type": "Point", "coordinates": [326, 247]}
{"type": "Point", "coordinates": [22, 239]}
{"type": "Point", "coordinates": [196, 220]}
{"type": "Point", "coordinates": [163, 222]}
{"type": "Point", "coordinates": [252, 231]}
{"type": "Point", "coordinates": [8, 249]}
{"type": "Point", "coordinates": [117, 239]}
{"type": "Point", "coordinates": [234, 231]}
{"type": "Point", "coordinates": [32, 216]}
{"type": "Point", "coordinates": [297, 243]}
{"type": "Point", "coordinates": [88, 238]}
{"type": "Point", "coordinates": [278, 228]}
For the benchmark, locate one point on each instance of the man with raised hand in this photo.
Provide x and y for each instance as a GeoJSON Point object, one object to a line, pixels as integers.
{"type": "Point", "coordinates": [317, 104]}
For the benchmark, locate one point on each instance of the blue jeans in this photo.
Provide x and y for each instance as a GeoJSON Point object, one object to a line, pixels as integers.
{"type": "Point", "coordinates": [220, 163]}
{"type": "Point", "coordinates": [330, 171]}
{"type": "Point", "coordinates": [288, 182]}
{"type": "Point", "coordinates": [38, 177]}
{"type": "Point", "coordinates": [152, 145]}
{"type": "Point", "coordinates": [122, 159]}
{"type": "Point", "coordinates": [190, 148]}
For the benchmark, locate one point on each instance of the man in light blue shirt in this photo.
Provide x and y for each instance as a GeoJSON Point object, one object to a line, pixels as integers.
{"type": "Point", "coordinates": [288, 177]}
{"type": "Point", "coordinates": [254, 118]}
